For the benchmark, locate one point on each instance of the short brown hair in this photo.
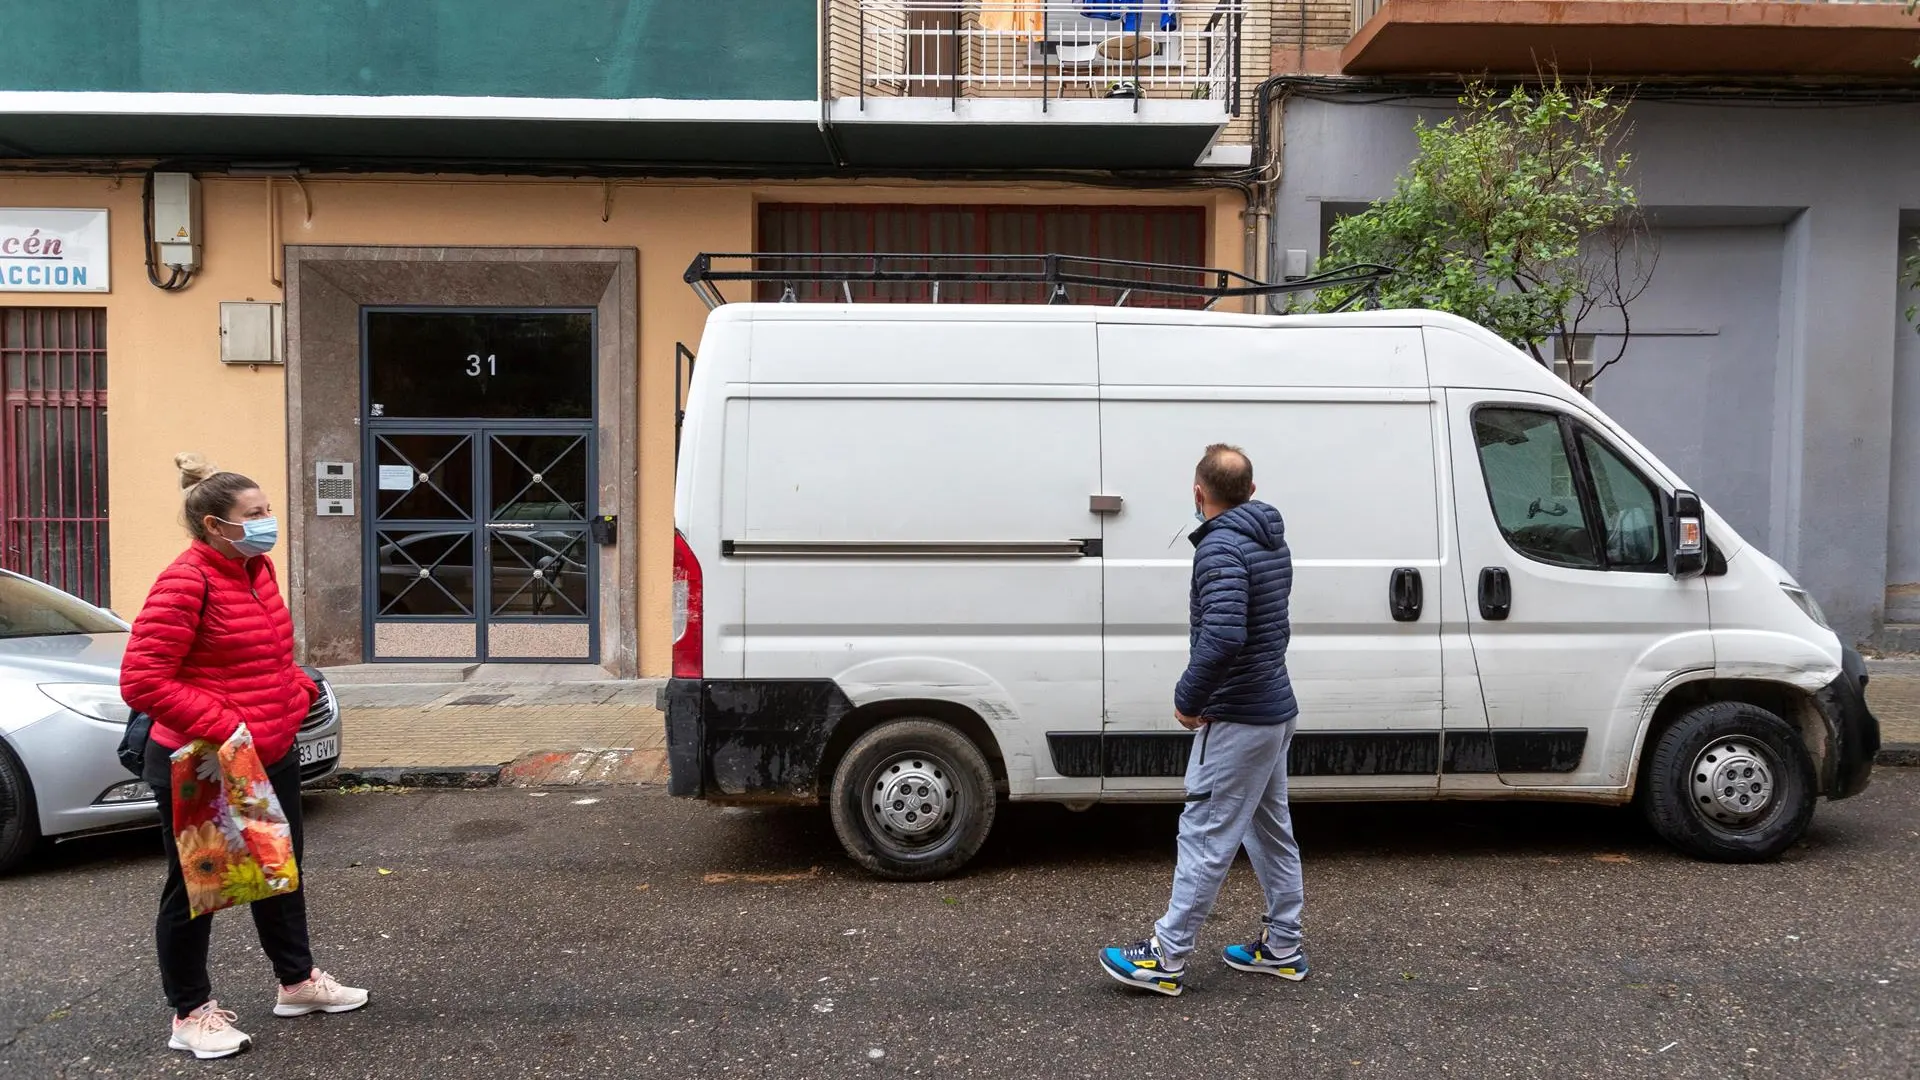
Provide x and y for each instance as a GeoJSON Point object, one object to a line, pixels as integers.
{"type": "Point", "coordinates": [1226, 473]}
{"type": "Point", "coordinates": [209, 492]}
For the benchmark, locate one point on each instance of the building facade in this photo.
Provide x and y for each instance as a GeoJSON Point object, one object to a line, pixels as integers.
{"type": "Point", "coordinates": [418, 266]}
{"type": "Point", "coordinates": [1776, 151]}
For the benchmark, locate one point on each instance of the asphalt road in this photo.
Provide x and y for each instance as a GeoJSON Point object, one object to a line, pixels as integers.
{"type": "Point", "coordinates": [635, 935]}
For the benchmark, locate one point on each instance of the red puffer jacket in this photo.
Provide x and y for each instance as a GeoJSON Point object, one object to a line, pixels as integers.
{"type": "Point", "coordinates": [212, 649]}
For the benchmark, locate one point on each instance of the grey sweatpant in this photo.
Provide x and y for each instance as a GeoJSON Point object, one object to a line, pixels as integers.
{"type": "Point", "coordinates": [1236, 795]}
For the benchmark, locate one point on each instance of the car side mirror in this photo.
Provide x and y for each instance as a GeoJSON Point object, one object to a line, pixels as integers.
{"type": "Point", "coordinates": [1686, 536]}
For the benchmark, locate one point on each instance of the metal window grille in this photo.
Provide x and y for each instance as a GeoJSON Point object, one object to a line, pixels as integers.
{"type": "Point", "coordinates": [1175, 236]}
{"type": "Point", "coordinates": [53, 436]}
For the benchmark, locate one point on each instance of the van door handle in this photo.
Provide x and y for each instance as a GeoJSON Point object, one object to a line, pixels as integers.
{"type": "Point", "coordinates": [1104, 504]}
{"type": "Point", "coordinates": [1496, 593]}
{"type": "Point", "coordinates": [1406, 594]}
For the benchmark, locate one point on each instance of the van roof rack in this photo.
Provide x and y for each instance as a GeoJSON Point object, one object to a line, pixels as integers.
{"type": "Point", "coordinates": [790, 270]}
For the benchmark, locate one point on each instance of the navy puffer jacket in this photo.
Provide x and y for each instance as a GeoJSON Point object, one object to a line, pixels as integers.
{"type": "Point", "coordinates": [1237, 649]}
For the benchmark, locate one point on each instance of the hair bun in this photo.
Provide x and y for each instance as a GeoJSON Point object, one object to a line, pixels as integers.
{"type": "Point", "coordinates": [194, 469]}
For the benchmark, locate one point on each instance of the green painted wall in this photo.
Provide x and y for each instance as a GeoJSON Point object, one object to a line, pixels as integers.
{"type": "Point", "coordinates": [687, 49]}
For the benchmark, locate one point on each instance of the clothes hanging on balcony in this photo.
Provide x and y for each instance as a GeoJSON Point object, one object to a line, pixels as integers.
{"type": "Point", "coordinates": [1127, 12]}
{"type": "Point", "coordinates": [1027, 18]}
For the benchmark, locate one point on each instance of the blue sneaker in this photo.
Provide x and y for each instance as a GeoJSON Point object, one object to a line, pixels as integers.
{"type": "Point", "coordinates": [1260, 957]}
{"type": "Point", "coordinates": [1141, 965]}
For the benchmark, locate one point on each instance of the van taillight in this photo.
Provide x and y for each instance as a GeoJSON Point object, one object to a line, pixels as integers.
{"type": "Point", "coordinates": [688, 658]}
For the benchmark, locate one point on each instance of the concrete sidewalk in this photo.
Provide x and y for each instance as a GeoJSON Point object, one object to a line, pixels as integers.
{"type": "Point", "coordinates": [567, 732]}
{"type": "Point", "coordinates": [609, 732]}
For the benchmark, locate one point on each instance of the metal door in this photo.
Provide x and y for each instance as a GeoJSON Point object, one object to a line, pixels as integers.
{"type": "Point", "coordinates": [478, 544]}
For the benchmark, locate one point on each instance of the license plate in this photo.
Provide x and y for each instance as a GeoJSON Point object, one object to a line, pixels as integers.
{"type": "Point", "coordinates": [320, 750]}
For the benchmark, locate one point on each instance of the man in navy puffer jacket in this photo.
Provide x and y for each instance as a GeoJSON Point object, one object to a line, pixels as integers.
{"type": "Point", "coordinates": [1236, 694]}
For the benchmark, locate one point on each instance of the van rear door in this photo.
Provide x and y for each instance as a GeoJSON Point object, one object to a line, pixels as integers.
{"type": "Point", "coordinates": [1342, 431]}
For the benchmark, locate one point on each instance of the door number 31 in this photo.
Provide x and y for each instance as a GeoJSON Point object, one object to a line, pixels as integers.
{"type": "Point", "coordinates": [475, 363]}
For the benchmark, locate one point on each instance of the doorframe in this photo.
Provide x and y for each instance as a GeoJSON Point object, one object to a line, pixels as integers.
{"type": "Point", "coordinates": [325, 288]}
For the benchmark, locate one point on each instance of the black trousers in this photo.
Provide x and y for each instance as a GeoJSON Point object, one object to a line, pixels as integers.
{"type": "Point", "coordinates": [183, 940]}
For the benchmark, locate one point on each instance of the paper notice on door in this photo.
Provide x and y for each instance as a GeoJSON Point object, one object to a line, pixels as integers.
{"type": "Point", "coordinates": [396, 478]}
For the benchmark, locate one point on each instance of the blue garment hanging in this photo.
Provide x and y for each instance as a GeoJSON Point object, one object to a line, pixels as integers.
{"type": "Point", "coordinates": [1127, 12]}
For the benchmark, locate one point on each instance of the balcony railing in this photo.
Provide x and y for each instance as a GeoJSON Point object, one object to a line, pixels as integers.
{"type": "Point", "coordinates": [1044, 49]}
{"type": "Point", "coordinates": [1365, 10]}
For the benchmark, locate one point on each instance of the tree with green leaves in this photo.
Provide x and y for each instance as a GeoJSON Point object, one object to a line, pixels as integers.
{"type": "Point", "coordinates": [1517, 214]}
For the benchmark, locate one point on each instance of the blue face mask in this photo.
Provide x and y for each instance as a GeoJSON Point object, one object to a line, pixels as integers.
{"type": "Point", "coordinates": [257, 537]}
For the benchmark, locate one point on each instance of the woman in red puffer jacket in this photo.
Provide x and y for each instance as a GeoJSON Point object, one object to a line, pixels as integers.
{"type": "Point", "coordinates": [211, 650]}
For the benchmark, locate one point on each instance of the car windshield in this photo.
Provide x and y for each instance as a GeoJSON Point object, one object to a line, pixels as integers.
{"type": "Point", "coordinates": [30, 609]}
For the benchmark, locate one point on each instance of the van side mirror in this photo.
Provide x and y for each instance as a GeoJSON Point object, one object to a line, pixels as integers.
{"type": "Point", "coordinates": [1686, 536]}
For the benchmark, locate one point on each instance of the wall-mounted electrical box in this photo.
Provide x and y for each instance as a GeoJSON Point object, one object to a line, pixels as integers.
{"type": "Point", "coordinates": [176, 219]}
{"type": "Point", "coordinates": [333, 489]}
{"type": "Point", "coordinates": [251, 333]}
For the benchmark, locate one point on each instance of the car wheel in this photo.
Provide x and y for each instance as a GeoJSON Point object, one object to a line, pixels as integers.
{"type": "Point", "coordinates": [913, 800]}
{"type": "Point", "coordinates": [19, 818]}
{"type": "Point", "coordinates": [1730, 782]}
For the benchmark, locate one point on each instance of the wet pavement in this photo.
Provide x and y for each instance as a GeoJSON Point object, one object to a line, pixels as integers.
{"type": "Point", "coordinates": [619, 933]}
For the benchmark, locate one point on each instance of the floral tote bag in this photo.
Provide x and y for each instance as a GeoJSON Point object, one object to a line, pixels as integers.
{"type": "Point", "coordinates": [229, 829]}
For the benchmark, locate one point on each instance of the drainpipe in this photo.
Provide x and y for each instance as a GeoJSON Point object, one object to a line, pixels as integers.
{"type": "Point", "coordinates": [1261, 258]}
{"type": "Point", "coordinates": [823, 84]}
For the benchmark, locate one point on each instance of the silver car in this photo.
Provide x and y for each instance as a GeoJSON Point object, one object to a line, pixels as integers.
{"type": "Point", "coordinates": [61, 721]}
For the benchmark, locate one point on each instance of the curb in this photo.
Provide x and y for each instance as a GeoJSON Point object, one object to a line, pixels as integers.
{"type": "Point", "coordinates": [1899, 755]}
{"type": "Point", "coordinates": [421, 776]}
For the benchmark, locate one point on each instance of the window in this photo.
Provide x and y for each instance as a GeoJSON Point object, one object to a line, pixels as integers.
{"type": "Point", "coordinates": [1573, 360]}
{"type": "Point", "coordinates": [1176, 235]}
{"type": "Point", "coordinates": [480, 364]}
{"type": "Point", "coordinates": [1629, 509]}
{"type": "Point", "coordinates": [1547, 499]}
{"type": "Point", "coordinates": [1530, 482]}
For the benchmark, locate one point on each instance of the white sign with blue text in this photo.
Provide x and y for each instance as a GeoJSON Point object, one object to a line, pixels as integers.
{"type": "Point", "coordinates": [44, 250]}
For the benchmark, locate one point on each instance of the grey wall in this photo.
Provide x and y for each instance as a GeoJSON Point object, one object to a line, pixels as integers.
{"type": "Point", "coordinates": [1697, 378]}
{"type": "Point", "coordinates": [1770, 379]}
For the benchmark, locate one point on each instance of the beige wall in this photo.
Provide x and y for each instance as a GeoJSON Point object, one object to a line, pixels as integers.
{"type": "Point", "coordinates": [169, 392]}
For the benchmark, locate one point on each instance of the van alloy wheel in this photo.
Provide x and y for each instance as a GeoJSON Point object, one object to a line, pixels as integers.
{"type": "Point", "coordinates": [913, 800]}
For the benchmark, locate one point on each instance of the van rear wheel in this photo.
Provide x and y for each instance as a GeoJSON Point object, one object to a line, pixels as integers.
{"type": "Point", "coordinates": [913, 800]}
{"type": "Point", "coordinates": [1730, 782]}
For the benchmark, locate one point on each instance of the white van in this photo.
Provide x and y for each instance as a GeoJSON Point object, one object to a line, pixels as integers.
{"type": "Point", "coordinates": [931, 556]}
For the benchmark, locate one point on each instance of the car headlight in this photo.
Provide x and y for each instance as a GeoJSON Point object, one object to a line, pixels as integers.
{"type": "Point", "coordinates": [90, 699]}
{"type": "Point", "coordinates": [1806, 603]}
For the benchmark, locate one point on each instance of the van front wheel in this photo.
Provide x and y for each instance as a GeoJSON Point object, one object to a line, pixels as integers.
{"type": "Point", "coordinates": [913, 800]}
{"type": "Point", "coordinates": [1730, 782]}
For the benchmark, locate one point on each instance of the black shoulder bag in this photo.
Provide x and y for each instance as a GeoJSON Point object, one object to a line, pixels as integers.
{"type": "Point", "coordinates": [133, 745]}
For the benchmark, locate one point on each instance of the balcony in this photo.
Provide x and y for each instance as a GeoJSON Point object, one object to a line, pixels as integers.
{"type": "Point", "coordinates": [1036, 83]}
{"type": "Point", "coordinates": [1851, 39]}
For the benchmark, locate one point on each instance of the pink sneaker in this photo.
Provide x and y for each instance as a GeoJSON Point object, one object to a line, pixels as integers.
{"type": "Point", "coordinates": [209, 1033]}
{"type": "Point", "coordinates": [320, 993]}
